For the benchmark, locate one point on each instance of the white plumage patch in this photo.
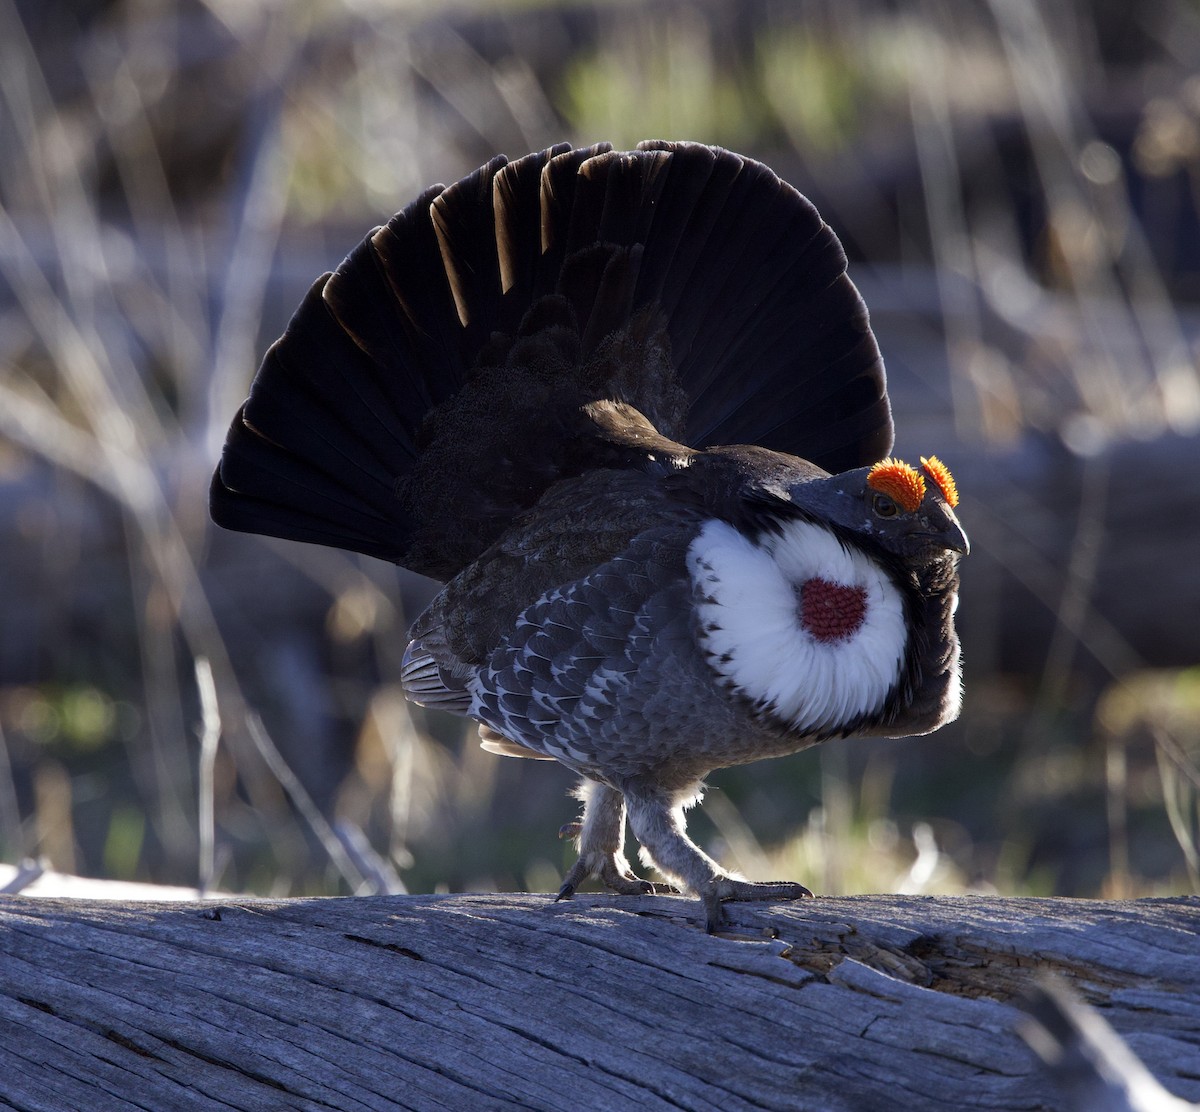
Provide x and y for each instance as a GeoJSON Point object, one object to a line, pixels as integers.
{"type": "Point", "coordinates": [753, 633]}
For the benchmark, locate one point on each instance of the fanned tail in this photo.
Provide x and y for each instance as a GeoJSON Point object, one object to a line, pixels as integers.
{"type": "Point", "coordinates": [430, 388]}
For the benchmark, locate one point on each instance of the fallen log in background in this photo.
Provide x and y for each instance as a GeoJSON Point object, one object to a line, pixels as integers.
{"type": "Point", "coordinates": [512, 1001]}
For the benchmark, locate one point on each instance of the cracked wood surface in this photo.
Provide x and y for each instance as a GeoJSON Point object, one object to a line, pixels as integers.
{"type": "Point", "coordinates": [512, 1001]}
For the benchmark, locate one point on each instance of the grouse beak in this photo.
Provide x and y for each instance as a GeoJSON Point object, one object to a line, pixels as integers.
{"type": "Point", "coordinates": [945, 531]}
{"type": "Point", "coordinates": [956, 540]}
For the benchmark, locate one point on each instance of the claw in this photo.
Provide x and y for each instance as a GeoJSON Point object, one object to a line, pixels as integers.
{"type": "Point", "coordinates": [578, 874]}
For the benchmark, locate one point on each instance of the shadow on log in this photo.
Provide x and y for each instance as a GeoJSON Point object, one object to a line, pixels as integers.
{"type": "Point", "coordinates": [511, 1001]}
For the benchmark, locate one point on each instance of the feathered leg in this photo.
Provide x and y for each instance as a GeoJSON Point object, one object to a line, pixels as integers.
{"type": "Point", "coordinates": [659, 826]}
{"type": "Point", "coordinates": [601, 845]}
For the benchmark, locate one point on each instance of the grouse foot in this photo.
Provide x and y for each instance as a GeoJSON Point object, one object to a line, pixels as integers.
{"type": "Point", "coordinates": [723, 888]}
{"type": "Point", "coordinates": [613, 872]}
{"type": "Point", "coordinates": [657, 821]}
{"type": "Point", "coordinates": [601, 844]}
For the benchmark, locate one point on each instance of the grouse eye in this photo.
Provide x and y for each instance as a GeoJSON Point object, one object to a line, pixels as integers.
{"type": "Point", "coordinates": [884, 506]}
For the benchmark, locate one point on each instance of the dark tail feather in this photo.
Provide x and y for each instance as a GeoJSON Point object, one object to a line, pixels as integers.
{"type": "Point", "coordinates": [768, 339]}
{"type": "Point", "coordinates": [291, 498]}
{"type": "Point", "coordinates": [769, 335]}
{"type": "Point", "coordinates": [466, 233]}
{"type": "Point", "coordinates": [317, 445]}
{"type": "Point", "coordinates": [518, 219]}
{"type": "Point", "coordinates": [334, 413]}
{"type": "Point", "coordinates": [557, 187]}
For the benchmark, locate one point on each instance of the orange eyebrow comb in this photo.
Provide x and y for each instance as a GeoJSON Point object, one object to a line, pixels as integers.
{"type": "Point", "coordinates": [940, 474]}
{"type": "Point", "coordinates": [900, 481]}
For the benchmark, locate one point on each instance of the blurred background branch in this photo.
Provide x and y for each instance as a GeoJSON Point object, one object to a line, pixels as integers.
{"type": "Point", "coordinates": [1017, 187]}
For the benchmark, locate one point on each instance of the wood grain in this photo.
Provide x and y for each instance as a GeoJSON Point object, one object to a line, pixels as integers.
{"type": "Point", "coordinates": [512, 1001]}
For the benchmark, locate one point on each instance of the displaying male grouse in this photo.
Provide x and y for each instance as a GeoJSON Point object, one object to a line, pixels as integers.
{"type": "Point", "coordinates": [510, 387]}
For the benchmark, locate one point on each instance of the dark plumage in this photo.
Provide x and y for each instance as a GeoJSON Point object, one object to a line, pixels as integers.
{"type": "Point", "coordinates": [504, 388]}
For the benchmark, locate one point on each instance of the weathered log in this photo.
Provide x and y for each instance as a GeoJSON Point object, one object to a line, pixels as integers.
{"type": "Point", "coordinates": [507, 1001]}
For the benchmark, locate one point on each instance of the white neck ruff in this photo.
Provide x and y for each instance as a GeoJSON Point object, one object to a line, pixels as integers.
{"type": "Point", "coordinates": [751, 633]}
